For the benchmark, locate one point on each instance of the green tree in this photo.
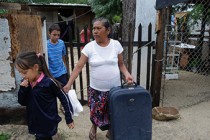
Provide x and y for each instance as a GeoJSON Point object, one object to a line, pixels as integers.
{"type": "Point", "coordinates": [49, 1]}
{"type": "Point", "coordinates": [200, 12]}
{"type": "Point", "coordinates": [17, 1]}
{"type": "Point", "coordinates": [61, 1]}
{"type": "Point", "coordinates": [111, 9]}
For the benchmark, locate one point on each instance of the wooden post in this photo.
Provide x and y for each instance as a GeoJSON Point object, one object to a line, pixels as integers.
{"type": "Point", "coordinates": [80, 74]}
{"type": "Point", "coordinates": [71, 53]}
{"type": "Point", "coordinates": [158, 59]}
{"type": "Point", "coordinates": [149, 56]}
{"type": "Point", "coordinates": [139, 54]}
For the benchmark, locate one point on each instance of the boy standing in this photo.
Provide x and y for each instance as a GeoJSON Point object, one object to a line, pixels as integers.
{"type": "Point", "coordinates": [56, 55]}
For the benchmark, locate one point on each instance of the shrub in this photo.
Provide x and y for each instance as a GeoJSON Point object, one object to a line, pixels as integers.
{"type": "Point", "coordinates": [4, 136]}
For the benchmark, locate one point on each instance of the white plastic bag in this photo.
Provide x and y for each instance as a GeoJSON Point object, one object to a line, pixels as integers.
{"type": "Point", "coordinates": [77, 107]}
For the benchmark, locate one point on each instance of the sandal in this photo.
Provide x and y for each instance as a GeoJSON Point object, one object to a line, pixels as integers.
{"type": "Point", "coordinates": [108, 134]}
{"type": "Point", "coordinates": [92, 136]}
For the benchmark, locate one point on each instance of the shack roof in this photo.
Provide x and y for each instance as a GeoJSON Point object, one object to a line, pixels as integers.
{"type": "Point", "coordinates": [59, 5]}
{"type": "Point", "coordinates": [19, 6]}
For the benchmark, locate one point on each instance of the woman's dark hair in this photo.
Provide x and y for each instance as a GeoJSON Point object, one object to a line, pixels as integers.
{"type": "Point", "coordinates": [54, 27]}
{"type": "Point", "coordinates": [106, 23]}
{"type": "Point", "coordinates": [26, 60]}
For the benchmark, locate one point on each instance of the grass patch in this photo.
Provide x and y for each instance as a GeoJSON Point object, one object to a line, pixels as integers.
{"type": "Point", "coordinates": [4, 136]}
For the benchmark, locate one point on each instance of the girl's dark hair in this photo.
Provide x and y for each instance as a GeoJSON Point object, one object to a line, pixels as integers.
{"type": "Point", "coordinates": [54, 27]}
{"type": "Point", "coordinates": [26, 60]}
{"type": "Point", "coordinates": [106, 23]}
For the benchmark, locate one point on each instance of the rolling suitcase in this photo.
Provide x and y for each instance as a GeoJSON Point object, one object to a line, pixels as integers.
{"type": "Point", "coordinates": [130, 109]}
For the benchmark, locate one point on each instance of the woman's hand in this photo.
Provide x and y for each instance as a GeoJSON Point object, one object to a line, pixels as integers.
{"type": "Point", "coordinates": [129, 79]}
{"type": "Point", "coordinates": [66, 88]}
{"type": "Point", "coordinates": [24, 83]}
{"type": "Point", "coordinates": [71, 125]}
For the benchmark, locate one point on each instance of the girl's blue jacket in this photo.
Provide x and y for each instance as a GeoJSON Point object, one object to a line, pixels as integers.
{"type": "Point", "coordinates": [41, 107]}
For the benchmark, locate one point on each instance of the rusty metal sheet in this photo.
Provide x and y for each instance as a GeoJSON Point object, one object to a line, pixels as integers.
{"type": "Point", "coordinates": [26, 33]}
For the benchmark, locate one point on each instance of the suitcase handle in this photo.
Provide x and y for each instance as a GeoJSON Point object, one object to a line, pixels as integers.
{"type": "Point", "coordinates": [125, 84]}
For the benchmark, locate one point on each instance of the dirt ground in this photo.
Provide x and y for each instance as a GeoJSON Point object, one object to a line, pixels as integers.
{"type": "Point", "coordinates": [191, 98]}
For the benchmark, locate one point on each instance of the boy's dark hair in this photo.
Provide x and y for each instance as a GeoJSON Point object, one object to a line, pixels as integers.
{"type": "Point", "coordinates": [26, 60]}
{"type": "Point", "coordinates": [54, 27]}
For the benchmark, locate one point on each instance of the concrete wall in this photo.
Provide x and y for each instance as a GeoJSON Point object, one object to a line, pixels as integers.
{"type": "Point", "coordinates": [8, 97]}
{"type": "Point", "coordinates": [145, 14]}
{"type": "Point", "coordinates": [7, 81]}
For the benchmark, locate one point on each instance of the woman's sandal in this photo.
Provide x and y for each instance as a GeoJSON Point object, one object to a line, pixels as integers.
{"type": "Point", "coordinates": [92, 136]}
{"type": "Point", "coordinates": [108, 134]}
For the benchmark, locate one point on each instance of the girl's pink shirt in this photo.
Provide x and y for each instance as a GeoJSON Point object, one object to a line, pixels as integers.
{"type": "Point", "coordinates": [38, 80]}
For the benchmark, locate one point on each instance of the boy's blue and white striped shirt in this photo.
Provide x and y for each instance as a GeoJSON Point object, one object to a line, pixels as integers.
{"type": "Point", "coordinates": [55, 60]}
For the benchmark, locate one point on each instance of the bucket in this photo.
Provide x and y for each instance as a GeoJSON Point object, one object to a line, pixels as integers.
{"type": "Point", "coordinates": [165, 113]}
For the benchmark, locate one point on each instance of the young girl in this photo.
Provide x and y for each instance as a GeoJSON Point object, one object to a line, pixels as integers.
{"type": "Point", "coordinates": [38, 92]}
